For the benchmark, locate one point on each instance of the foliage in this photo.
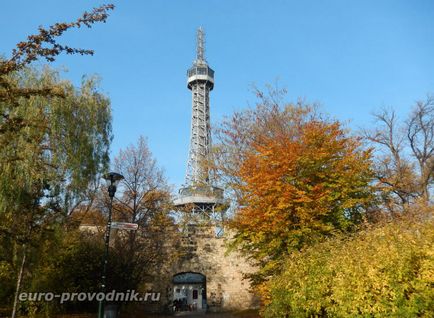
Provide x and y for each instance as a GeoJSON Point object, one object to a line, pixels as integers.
{"type": "Point", "coordinates": [405, 161]}
{"type": "Point", "coordinates": [73, 255]}
{"type": "Point", "coordinates": [54, 141]}
{"type": "Point", "coordinates": [72, 258]}
{"type": "Point", "coordinates": [41, 45]}
{"type": "Point", "coordinates": [144, 192]}
{"type": "Point", "coordinates": [299, 178]}
{"type": "Point", "coordinates": [44, 139]}
{"type": "Point", "coordinates": [48, 165]}
{"type": "Point", "coordinates": [143, 198]}
{"type": "Point", "coordinates": [385, 271]}
{"type": "Point", "coordinates": [7, 279]}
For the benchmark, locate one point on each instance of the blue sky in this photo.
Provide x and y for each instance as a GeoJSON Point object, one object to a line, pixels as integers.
{"type": "Point", "coordinates": [351, 56]}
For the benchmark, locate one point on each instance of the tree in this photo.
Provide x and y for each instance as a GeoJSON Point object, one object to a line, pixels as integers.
{"type": "Point", "coordinates": [73, 258]}
{"type": "Point", "coordinates": [299, 178]}
{"type": "Point", "coordinates": [27, 127]}
{"type": "Point", "coordinates": [64, 149]}
{"type": "Point", "coordinates": [144, 198]}
{"type": "Point", "coordinates": [420, 134]}
{"type": "Point", "coordinates": [42, 45]}
{"type": "Point", "coordinates": [18, 83]}
{"type": "Point", "coordinates": [50, 163]}
{"type": "Point", "coordinates": [41, 130]}
{"type": "Point", "coordinates": [405, 164]}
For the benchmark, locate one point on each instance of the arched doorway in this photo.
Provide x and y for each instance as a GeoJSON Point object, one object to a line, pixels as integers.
{"type": "Point", "coordinates": [189, 291]}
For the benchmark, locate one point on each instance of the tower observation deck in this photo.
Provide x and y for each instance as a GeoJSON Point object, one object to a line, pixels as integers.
{"type": "Point", "coordinates": [199, 194]}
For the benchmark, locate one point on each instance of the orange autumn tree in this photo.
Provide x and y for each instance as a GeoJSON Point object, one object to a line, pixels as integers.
{"type": "Point", "coordinates": [297, 178]}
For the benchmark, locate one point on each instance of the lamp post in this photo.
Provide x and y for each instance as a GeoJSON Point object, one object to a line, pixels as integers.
{"type": "Point", "coordinates": [113, 179]}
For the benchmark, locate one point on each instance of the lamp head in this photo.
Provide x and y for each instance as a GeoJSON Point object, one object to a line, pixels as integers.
{"type": "Point", "coordinates": [113, 180]}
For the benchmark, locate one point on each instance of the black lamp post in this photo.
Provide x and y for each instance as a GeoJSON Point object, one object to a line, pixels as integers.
{"type": "Point", "coordinates": [113, 179]}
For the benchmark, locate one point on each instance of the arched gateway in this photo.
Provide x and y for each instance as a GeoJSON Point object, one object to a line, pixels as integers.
{"type": "Point", "coordinates": [189, 291]}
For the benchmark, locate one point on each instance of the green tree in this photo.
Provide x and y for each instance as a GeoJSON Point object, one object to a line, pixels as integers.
{"type": "Point", "coordinates": [72, 257]}
{"type": "Point", "coordinates": [48, 164]}
{"type": "Point", "coordinates": [38, 115]}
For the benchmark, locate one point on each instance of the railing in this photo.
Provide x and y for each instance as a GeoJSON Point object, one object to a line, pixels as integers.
{"type": "Point", "coordinates": [200, 70]}
{"type": "Point", "coordinates": [201, 190]}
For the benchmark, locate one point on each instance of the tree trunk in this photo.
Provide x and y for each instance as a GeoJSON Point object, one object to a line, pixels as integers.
{"type": "Point", "coordinates": [19, 279]}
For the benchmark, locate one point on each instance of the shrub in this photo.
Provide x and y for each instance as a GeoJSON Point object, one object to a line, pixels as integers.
{"type": "Point", "coordinates": [387, 271]}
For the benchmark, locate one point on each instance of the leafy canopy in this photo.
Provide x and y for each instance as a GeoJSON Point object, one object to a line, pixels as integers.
{"type": "Point", "coordinates": [298, 177]}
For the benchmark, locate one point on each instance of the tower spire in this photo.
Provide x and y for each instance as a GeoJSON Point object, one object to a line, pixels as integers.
{"type": "Point", "coordinates": [200, 46]}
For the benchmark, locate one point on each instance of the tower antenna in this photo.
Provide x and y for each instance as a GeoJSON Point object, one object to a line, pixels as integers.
{"type": "Point", "coordinates": [200, 45]}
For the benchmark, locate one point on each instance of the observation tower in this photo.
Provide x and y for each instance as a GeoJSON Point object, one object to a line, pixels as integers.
{"type": "Point", "coordinates": [199, 195]}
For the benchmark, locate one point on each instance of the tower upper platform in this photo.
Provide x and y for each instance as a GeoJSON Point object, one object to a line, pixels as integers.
{"type": "Point", "coordinates": [200, 72]}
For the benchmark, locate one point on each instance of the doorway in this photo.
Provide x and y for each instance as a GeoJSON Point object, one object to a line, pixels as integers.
{"type": "Point", "coordinates": [189, 292]}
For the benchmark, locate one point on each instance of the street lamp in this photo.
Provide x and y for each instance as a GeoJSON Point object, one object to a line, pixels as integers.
{"type": "Point", "coordinates": [113, 179]}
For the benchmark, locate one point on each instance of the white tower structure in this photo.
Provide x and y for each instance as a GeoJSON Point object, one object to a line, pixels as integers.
{"type": "Point", "coordinates": [198, 194]}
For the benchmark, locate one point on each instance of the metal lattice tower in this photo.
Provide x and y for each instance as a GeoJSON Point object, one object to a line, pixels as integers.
{"type": "Point", "coordinates": [200, 82]}
{"type": "Point", "coordinates": [198, 194]}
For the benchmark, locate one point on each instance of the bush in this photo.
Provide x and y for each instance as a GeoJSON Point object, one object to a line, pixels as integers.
{"type": "Point", "coordinates": [386, 271]}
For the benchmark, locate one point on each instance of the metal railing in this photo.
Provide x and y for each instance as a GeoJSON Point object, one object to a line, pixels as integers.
{"type": "Point", "coordinates": [200, 70]}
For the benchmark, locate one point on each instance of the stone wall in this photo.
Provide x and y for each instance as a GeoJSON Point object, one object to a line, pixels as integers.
{"type": "Point", "coordinates": [204, 253]}
{"type": "Point", "coordinates": [201, 251]}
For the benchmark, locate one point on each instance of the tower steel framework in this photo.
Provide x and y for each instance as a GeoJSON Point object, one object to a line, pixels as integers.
{"type": "Point", "coordinates": [199, 195]}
